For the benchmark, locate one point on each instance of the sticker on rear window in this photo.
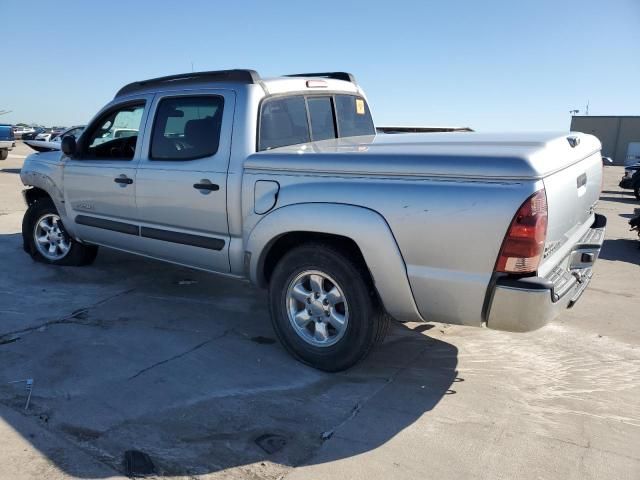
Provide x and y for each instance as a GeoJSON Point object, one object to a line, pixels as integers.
{"type": "Point", "coordinates": [359, 106]}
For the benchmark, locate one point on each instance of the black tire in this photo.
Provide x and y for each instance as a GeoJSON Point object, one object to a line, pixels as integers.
{"type": "Point", "coordinates": [4, 154]}
{"type": "Point", "coordinates": [636, 191]}
{"type": "Point", "coordinates": [367, 323]}
{"type": "Point", "coordinates": [78, 255]}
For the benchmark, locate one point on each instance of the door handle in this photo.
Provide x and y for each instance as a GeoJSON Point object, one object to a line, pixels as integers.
{"type": "Point", "coordinates": [123, 180]}
{"type": "Point", "coordinates": [207, 186]}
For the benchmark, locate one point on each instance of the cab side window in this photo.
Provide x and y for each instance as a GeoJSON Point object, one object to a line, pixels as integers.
{"type": "Point", "coordinates": [115, 135]}
{"type": "Point", "coordinates": [187, 128]}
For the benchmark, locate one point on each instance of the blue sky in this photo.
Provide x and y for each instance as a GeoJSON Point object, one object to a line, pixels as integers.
{"type": "Point", "coordinates": [492, 65]}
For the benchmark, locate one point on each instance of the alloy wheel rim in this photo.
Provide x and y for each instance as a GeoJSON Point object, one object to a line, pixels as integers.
{"type": "Point", "coordinates": [317, 308]}
{"type": "Point", "coordinates": [50, 239]}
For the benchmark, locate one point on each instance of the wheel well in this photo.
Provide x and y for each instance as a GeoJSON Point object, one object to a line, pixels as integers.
{"type": "Point", "coordinates": [294, 239]}
{"type": "Point", "coordinates": [34, 193]}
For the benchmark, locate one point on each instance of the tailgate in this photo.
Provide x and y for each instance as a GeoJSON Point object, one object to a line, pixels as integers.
{"type": "Point", "coordinates": [572, 194]}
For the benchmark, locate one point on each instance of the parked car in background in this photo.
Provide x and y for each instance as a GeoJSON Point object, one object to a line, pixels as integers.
{"type": "Point", "coordinates": [284, 182]}
{"type": "Point", "coordinates": [18, 131]}
{"type": "Point", "coordinates": [50, 141]}
{"type": "Point", "coordinates": [631, 179]}
{"type": "Point", "coordinates": [37, 131]}
{"type": "Point", "coordinates": [49, 133]}
{"type": "Point", "coordinates": [7, 141]}
{"type": "Point", "coordinates": [43, 136]}
{"type": "Point", "coordinates": [55, 131]}
{"type": "Point", "coordinates": [116, 133]}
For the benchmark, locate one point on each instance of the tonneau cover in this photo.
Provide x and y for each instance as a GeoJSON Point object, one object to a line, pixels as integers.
{"type": "Point", "coordinates": [456, 154]}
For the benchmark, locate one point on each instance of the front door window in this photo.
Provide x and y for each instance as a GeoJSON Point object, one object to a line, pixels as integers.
{"type": "Point", "coordinates": [115, 135]}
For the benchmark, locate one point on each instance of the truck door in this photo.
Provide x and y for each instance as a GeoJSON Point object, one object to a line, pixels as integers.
{"type": "Point", "coordinates": [181, 180]}
{"type": "Point", "coordinates": [99, 181]}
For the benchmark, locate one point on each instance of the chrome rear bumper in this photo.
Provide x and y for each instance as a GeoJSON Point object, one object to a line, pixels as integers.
{"type": "Point", "coordinates": [525, 304]}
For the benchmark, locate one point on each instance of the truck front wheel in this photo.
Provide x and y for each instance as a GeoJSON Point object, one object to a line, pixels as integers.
{"type": "Point", "coordinates": [4, 154]}
{"type": "Point", "coordinates": [323, 309]}
{"type": "Point", "coordinates": [47, 241]}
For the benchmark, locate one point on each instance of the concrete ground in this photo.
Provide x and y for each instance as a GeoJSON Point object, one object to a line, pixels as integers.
{"type": "Point", "coordinates": [132, 354]}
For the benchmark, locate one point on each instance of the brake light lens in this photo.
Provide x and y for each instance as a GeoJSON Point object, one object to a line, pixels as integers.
{"type": "Point", "coordinates": [523, 244]}
{"type": "Point", "coordinates": [316, 84]}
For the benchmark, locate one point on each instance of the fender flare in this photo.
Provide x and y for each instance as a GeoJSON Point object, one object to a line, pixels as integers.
{"type": "Point", "coordinates": [41, 181]}
{"type": "Point", "coordinates": [367, 228]}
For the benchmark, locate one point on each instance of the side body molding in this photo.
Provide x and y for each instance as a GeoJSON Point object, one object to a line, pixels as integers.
{"type": "Point", "coordinates": [366, 227]}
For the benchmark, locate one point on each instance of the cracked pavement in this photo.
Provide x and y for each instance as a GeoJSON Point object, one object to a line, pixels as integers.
{"type": "Point", "coordinates": [132, 354]}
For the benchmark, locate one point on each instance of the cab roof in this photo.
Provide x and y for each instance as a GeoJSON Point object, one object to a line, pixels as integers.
{"type": "Point", "coordinates": [341, 81]}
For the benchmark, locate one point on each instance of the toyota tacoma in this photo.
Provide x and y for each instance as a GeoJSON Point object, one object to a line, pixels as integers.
{"type": "Point", "coordinates": [284, 182]}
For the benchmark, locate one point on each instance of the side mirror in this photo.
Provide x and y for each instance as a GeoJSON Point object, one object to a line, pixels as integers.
{"type": "Point", "coordinates": [68, 146]}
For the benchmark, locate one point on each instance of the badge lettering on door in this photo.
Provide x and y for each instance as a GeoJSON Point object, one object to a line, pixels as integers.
{"type": "Point", "coordinates": [83, 206]}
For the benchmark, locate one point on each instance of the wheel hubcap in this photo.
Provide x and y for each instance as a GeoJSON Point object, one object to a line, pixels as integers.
{"type": "Point", "coordinates": [317, 308]}
{"type": "Point", "coordinates": [51, 240]}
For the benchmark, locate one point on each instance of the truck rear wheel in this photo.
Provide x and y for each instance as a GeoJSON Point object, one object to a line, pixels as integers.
{"type": "Point", "coordinates": [323, 309]}
{"type": "Point", "coordinates": [47, 241]}
{"type": "Point", "coordinates": [4, 154]}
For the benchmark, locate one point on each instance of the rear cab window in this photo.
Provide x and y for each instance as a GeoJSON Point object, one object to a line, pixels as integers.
{"type": "Point", "coordinates": [354, 117]}
{"type": "Point", "coordinates": [296, 119]}
{"type": "Point", "coordinates": [321, 118]}
{"type": "Point", "coordinates": [283, 121]}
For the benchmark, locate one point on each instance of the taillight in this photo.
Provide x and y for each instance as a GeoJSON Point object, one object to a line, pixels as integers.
{"type": "Point", "coordinates": [523, 245]}
{"type": "Point", "coordinates": [316, 84]}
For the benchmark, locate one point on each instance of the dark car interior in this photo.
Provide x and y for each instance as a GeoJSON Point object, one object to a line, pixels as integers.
{"type": "Point", "coordinates": [104, 141]}
{"type": "Point", "coordinates": [197, 137]}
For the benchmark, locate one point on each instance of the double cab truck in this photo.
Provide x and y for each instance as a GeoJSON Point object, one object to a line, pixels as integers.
{"type": "Point", "coordinates": [285, 183]}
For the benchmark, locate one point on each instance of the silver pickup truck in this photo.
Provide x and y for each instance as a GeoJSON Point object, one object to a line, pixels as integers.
{"type": "Point", "coordinates": [284, 182]}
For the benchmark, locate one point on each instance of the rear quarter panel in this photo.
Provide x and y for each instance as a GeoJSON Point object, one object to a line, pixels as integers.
{"type": "Point", "coordinates": [448, 231]}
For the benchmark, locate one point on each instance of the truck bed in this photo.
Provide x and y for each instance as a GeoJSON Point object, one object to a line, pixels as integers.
{"type": "Point", "coordinates": [460, 154]}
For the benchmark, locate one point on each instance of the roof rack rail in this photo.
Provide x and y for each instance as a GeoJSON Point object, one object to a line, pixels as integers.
{"type": "Point", "coordinates": [234, 76]}
{"type": "Point", "coordinates": [347, 77]}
